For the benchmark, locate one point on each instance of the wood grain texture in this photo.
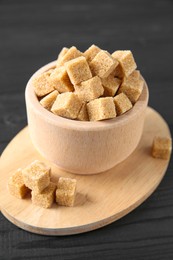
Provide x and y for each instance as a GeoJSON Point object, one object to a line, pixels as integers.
{"type": "Point", "coordinates": [32, 32]}
{"type": "Point", "coordinates": [101, 198]}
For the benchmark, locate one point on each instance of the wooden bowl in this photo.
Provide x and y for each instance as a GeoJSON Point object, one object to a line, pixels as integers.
{"type": "Point", "coordinates": [84, 147]}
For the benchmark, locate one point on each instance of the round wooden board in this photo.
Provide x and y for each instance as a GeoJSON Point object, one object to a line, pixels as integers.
{"type": "Point", "coordinates": [101, 199]}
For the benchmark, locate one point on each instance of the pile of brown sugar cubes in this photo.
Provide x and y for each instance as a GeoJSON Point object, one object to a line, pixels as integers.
{"type": "Point", "coordinates": [90, 86]}
{"type": "Point", "coordinates": [36, 178]}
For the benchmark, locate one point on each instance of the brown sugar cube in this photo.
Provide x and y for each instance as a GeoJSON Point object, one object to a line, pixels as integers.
{"type": "Point", "coordinates": [61, 54]}
{"type": "Point", "coordinates": [43, 85]}
{"type": "Point", "coordinates": [134, 76]}
{"type": "Point", "coordinates": [16, 185]}
{"type": "Point", "coordinates": [46, 198]}
{"type": "Point", "coordinates": [71, 54]}
{"type": "Point", "coordinates": [66, 191]}
{"type": "Point", "coordinates": [126, 61]}
{"type": "Point", "coordinates": [162, 147]}
{"type": "Point", "coordinates": [60, 80]}
{"type": "Point", "coordinates": [118, 72]}
{"type": "Point", "coordinates": [122, 104]}
{"type": "Point", "coordinates": [110, 85]}
{"type": "Point", "coordinates": [83, 113]}
{"type": "Point", "coordinates": [48, 100]}
{"type": "Point", "coordinates": [36, 176]}
{"type": "Point", "coordinates": [66, 183]}
{"type": "Point", "coordinates": [91, 52]}
{"type": "Point", "coordinates": [132, 88]}
{"type": "Point", "coordinates": [103, 64]}
{"type": "Point", "coordinates": [101, 108]}
{"type": "Point", "coordinates": [67, 105]}
{"type": "Point", "coordinates": [78, 70]}
{"type": "Point", "coordinates": [90, 89]}
{"type": "Point", "coordinates": [132, 79]}
{"type": "Point", "coordinates": [65, 198]}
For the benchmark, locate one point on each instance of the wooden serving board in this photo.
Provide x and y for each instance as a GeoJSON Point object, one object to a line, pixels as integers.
{"type": "Point", "coordinates": [101, 199]}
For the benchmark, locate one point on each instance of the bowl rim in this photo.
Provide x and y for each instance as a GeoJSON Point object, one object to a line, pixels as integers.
{"type": "Point", "coordinates": [32, 100]}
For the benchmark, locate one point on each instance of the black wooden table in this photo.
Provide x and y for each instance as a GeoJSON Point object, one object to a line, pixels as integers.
{"type": "Point", "coordinates": [31, 34]}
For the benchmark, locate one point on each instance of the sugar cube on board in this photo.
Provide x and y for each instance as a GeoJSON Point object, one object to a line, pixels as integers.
{"type": "Point", "coordinates": [66, 191]}
{"type": "Point", "coordinates": [162, 147]}
{"type": "Point", "coordinates": [36, 176]}
{"type": "Point", "coordinates": [46, 197]}
{"type": "Point", "coordinates": [16, 185]}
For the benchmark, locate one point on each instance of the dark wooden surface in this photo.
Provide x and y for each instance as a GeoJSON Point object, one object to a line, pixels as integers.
{"type": "Point", "coordinates": [31, 34]}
